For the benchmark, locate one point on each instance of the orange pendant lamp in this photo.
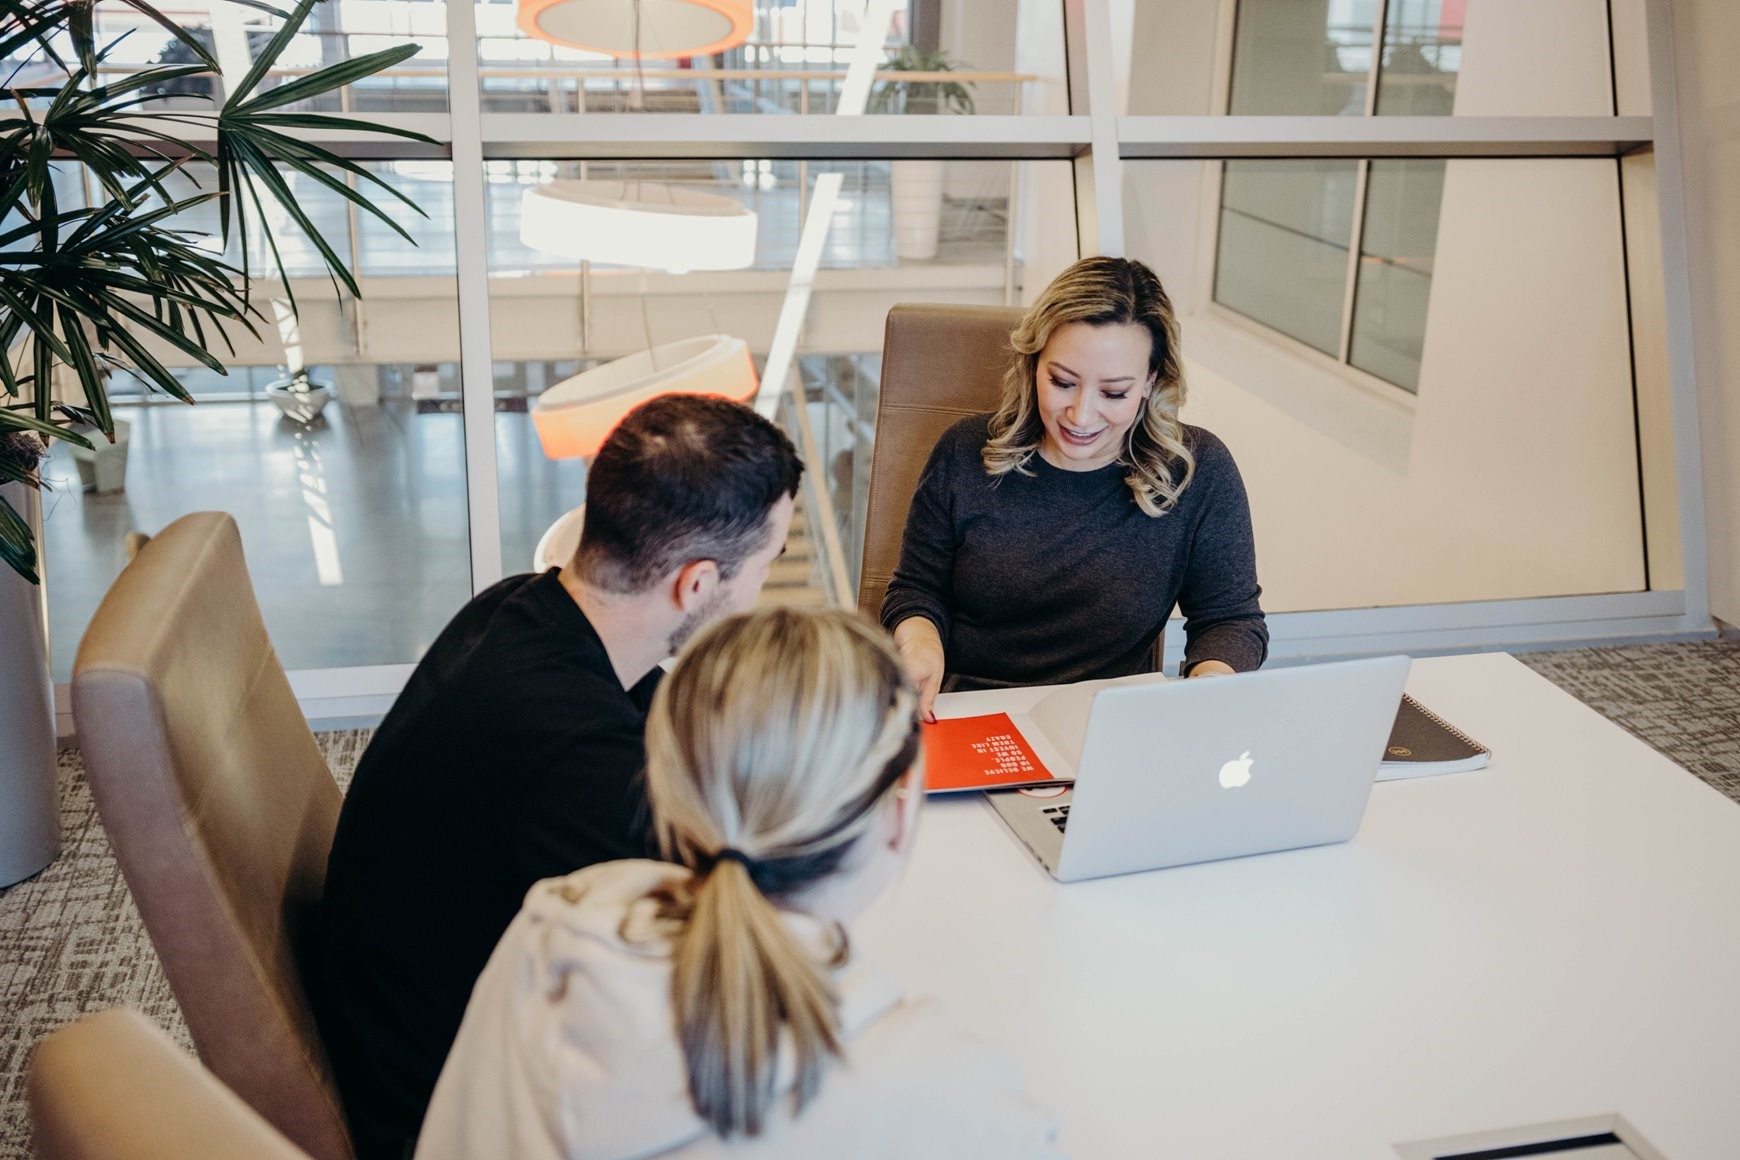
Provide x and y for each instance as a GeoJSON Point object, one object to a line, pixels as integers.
{"type": "Point", "coordinates": [667, 29]}
{"type": "Point", "coordinates": [573, 417]}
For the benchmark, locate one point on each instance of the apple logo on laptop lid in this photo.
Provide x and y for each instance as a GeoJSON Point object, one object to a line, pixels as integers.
{"type": "Point", "coordinates": [1237, 772]}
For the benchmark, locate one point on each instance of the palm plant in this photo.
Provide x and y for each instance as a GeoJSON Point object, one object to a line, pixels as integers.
{"type": "Point", "coordinates": [98, 288]}
{"type": "Point", "coordinates": [896, 96]}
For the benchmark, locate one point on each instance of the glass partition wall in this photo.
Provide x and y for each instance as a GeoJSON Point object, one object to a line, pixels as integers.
{"type": "Point", "coordinates": [1441, 354]}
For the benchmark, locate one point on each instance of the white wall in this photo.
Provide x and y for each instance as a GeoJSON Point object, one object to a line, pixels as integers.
{"type": "Point", "coordinates": [1706, 44]}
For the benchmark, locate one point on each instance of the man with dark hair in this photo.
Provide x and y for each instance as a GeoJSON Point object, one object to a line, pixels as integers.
{"type": "Point", "coordinates": [515, 751]}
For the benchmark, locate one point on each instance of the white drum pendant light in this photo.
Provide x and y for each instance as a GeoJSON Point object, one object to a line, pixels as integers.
{"type": "Point", "coordinates": [669, 29]}
{"type": "Point", "coordinates": [639, 223]}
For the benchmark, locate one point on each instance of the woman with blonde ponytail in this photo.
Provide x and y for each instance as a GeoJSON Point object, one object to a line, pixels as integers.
{"type": "Point", "coordinates": [710, 1003]}
{"type": "Point", "coordinates": [1049, 541]}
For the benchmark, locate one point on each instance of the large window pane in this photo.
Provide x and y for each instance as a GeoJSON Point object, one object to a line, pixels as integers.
{"type": "Point", "coordinates": [1282, 254]}
{"type": "Point", "coordinates": [1513, 472]}
{"type": "Point", "coordinates": [1421, 58]}
{"type": "Point", "coordinates": [1294, 57]}
{"type": "Point", "coordinates": [354, 523]}
{"type": "Point", "coordinates": [794, 60]}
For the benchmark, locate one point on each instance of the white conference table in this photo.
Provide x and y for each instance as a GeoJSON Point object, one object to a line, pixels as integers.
{"type": "Point", "coordinates": [1555, 936]}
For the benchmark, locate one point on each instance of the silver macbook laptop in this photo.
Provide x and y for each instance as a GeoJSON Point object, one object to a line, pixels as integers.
{"type": "Point", "coordinates": [1194, 771]}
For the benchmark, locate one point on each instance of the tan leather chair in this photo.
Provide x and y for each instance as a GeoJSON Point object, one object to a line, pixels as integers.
{"type": "Point", "coordinates": [114, 1087]}
{"type": "Point", "coordinates": [221, 811]}
{"type": "Point", "coordinates": [939, 364]}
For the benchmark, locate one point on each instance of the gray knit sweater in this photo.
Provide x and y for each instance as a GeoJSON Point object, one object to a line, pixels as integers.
{"type": "Point", "coordinates": [1058, 576]}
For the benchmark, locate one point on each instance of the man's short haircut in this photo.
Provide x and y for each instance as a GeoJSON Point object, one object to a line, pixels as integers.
{"type": "Point", "coordinates": [683, 477]}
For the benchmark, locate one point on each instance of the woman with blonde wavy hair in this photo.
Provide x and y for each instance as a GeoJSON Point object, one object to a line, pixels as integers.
{"type": "Point", "coordinates": [705, 1004]}
{"type": "Point", "coordinates": [1049, 541]}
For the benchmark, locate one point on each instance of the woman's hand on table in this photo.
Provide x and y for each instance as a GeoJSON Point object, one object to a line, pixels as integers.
{"type": "Point", "coordinates": [921, 648]}
{"type": "Point", "coordinates": [1211, 669]}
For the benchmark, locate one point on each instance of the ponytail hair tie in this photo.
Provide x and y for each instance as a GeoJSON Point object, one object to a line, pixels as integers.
{"type": "Point", "coordinates": [706, 864]}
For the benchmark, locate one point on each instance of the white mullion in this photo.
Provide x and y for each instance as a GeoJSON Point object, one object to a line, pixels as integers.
{"type": "Point", "coordinates": [1037, 138]}
{"type": "Point", "coordinates": [1351, 290]}
{"type": "Point", "coordinates": [683, 136]}
{"type": "Point", "coordinates": [1361, 184]}
{"type": "Point", "coordinates": [1374, 75]}
{"type": "Point", "coordinates": [1213, 138]}
{"type": "Point", "coordinates": [471, 237]}
{"type": "Point", "coordinates": [1099, 212]}
{"type": "Point", "coordinates": [1103, 125]}
{"type": "Point", "coordinates": [1677, 288]}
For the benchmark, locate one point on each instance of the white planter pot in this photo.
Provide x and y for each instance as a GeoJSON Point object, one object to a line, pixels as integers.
{"type": "Point", "coordinates": [103, 467]}
{"type": "Point", "coordinates": [301, 406]}
{"type": "Point", "coordinates": [29, 803]}
{"type": "Point", "coordinates": [915, 189]}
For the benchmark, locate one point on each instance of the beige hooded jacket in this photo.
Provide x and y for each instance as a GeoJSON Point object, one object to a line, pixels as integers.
{"type": "Point", "coordinates": [568, 1052]}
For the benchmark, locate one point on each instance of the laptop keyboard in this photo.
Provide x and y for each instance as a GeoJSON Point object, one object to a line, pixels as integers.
{"type": "Point", "coordinates": [1059, 815]}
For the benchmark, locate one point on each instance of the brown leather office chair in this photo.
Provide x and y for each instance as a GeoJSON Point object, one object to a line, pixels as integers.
{"type": "Point", "coordinates": [114, 1087]}
{"type": "Point", "coordinates": [221, 811]}
{"type": "Point", "coordinates": [939, 364]}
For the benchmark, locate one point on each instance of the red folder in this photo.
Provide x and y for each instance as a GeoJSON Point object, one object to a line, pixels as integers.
{"type": "Point", "coordinates": [988, 752]}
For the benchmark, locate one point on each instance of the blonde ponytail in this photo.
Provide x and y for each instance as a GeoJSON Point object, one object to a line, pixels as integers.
{"type": "Point", "coordinates": [795, 729]}
{"type": "Point", "coordinates": [741, 978]}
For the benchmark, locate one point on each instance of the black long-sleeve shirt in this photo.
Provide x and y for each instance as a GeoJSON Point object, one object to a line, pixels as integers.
{"type": "Point", "coordinates": [1058, 576]}
{"type": "Point", "coordinates": [513, 754]}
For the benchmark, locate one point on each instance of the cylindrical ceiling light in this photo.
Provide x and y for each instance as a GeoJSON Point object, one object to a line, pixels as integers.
{"type": "Point", "coordinates": [574, 416]}
{"type": "Point", "coordinates": [639, 223]}
{"type": "Point", "coordinates": [669, 29]}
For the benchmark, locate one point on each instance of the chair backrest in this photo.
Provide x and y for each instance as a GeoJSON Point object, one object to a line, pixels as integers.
{"type": "Point", "coordinates": [939, 364]}
{"type": "Point", "coordinates": [113, 1087]}
{"type": "Point", "coordinates": [221, 811]}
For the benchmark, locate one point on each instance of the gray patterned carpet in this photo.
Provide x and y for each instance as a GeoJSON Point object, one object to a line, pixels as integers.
{"type": "Point", "coordinates": [71, 940]}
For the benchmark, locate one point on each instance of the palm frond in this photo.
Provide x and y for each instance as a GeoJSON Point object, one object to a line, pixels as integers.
{"type": "Point", "coordinates": [17, 547]}
{"type": "Point", "coordinates": [113, 285]}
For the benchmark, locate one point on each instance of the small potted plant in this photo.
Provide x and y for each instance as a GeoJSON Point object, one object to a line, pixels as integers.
{"type": "Point", "coordinates": [915, 188]}
{"type": "Point", "coordinates": [299, 397]}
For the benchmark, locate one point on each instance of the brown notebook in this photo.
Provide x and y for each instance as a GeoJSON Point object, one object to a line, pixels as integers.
{"type": "Point", "coordinates": [1422, 743]}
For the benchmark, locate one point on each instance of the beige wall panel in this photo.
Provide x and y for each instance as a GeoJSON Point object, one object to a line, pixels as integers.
{"type": "Point", "coordinates": [1505, 74]}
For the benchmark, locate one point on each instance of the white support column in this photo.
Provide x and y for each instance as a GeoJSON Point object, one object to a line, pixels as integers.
{"type": "Point", "coordinates": [471, 234]}
{"type": "Point", "coordinates": [1099, 204]}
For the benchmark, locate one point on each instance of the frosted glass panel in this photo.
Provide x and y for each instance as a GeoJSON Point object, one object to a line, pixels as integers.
{"type": "Point", "coordinates": [1301, 57]}
{"type": "Point", "coordinates": [1402, 204]}
{"type": "Point", "coordinates": [1389, 323]}
{"type": "Point", "coordinates": [1282, 259]}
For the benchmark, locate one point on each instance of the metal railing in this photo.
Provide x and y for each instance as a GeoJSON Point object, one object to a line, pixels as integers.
{"type": "Point", "coordinates": [824, 526]}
